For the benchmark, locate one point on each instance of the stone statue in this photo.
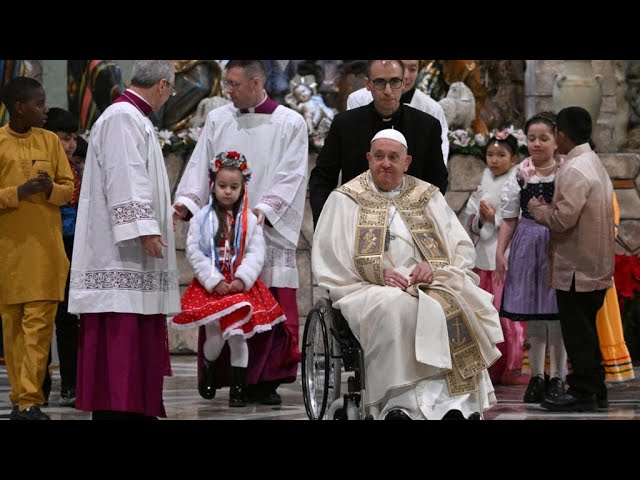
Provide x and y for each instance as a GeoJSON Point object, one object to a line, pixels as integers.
{"type": "Point", "coordinates": [633, 97]}
{"type": "Point", "coordinates": [316, 114]}
{"type": "Point", "coordinates": [459, 106]}
{"type": "Point", "coordinates": [204, 107]}
{"type": "Point", "coordinates": [621, 121]}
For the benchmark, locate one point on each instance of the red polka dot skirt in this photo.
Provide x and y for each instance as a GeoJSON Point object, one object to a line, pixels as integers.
{"type": "Point", "coordinates": [243, 313]}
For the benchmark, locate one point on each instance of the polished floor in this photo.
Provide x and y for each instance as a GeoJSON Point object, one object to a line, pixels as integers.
{"type": "Point", "coordinates": [182, 401]}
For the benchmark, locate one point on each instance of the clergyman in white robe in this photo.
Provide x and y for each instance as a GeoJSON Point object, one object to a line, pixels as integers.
{"type": "Point", "coordinates": [119, 285]}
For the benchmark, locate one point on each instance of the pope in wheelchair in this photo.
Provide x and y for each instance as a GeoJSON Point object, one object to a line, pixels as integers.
{"type": "Point", "coordinates": [397, 264]}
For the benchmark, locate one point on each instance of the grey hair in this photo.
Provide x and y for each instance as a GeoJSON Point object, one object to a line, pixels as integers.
{"type": "Point", "coordinates": [146, 73]}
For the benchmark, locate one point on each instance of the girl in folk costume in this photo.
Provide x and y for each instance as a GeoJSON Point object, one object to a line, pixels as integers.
{"type": "Point", "coordinates": [527, 295]}
{"type": "Point", "coordinates": [484, 220]}
{"type": "Point", "coordinates": [226, 249]}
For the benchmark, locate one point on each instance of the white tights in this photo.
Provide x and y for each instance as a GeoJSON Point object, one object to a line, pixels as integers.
{"type": "Point", "coordinates": [542, 333]}
{"type": "Point", "coordinates": [214, 343]}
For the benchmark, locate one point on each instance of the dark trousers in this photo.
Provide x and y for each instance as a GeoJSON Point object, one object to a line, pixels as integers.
{"type": "Point", "coordinates": [578, 320]}
{"type": "Point", "coordinates": [67, 327]}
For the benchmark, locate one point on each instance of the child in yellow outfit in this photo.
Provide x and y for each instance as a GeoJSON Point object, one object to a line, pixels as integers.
{"type": "Point", "coordinates": [35, 180]}
{"type": "Point", "coordinates": [615, 355]}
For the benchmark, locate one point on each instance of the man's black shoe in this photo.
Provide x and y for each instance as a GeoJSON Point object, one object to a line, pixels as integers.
{"type": "Point", "coordinates": [15, 413]}
{"type": "Point", "coordinates": [569, 403]}
{"type": "Point", "coordinates": [397, 414]}
{"type": "Point", "coordinates": [453, 414]}
{"type": "Point", "coordinates": [33, 413]}
{"type": "Point", "coordinates": [555, 388]}
{"type": "Point", "coordinates": [270, 398]}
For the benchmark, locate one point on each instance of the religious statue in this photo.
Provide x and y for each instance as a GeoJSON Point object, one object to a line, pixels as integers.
{"type": "Point", "coordinates": [459, 106]}
{"type": "Point", "coordinates": [316, 114]}
{"type": "Point", "coordinates": [633, 97]}
{"type": "Point", "coordinates": [438, 75]}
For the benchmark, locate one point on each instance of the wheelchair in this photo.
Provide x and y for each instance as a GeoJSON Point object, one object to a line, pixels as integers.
{"type": "Point", "coordinates": [329, 345]}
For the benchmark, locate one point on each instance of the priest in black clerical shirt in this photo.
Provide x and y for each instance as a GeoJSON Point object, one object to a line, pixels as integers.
{"type": "Point", "coordinates": [348, 140]}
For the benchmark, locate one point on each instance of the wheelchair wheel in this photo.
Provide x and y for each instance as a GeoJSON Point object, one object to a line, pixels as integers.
{"type": "Point", "coordinates": [320, 365]}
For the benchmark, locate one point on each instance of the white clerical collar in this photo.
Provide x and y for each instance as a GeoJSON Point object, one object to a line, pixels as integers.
{"type": "Point", "coordinates": [137, 95]}
{"type": "Point", "coordinates": [253, 109]}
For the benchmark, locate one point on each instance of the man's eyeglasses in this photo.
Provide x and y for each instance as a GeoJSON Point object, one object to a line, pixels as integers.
{"type": "Point", "coordinates": [173, 89]}
{"type": "Point", "coordinates": [231, 85]}
{"type": "Point", "coordinates": [234, 85]}
{"type": "Point", "coordinates": [381, 83]}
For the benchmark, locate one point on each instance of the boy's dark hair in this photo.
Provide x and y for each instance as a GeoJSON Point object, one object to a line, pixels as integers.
{"type": "Point", "coordinates": [61, 120]}
{"type": "Point", "coordinates": [576, 123]}
{"type": "Point", "coordinates": [20, 89]}
{"type": "Point", "coordinates": [81, 147]}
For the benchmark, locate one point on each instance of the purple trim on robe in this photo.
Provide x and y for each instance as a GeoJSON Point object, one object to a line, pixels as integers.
{"type": "Point", "coordinates": [122, 361]}
{"type": "Point", "coordinates": [267, 107]}
{"type": "Point", "coordinates": [135, 100]}
{"type": "Point", "coordinates": [273, 355]}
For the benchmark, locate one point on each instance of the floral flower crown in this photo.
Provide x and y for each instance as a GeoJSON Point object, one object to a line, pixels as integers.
{"type": "Point", "coordinates": [503, 134]}
{"type": "Point", "coordinates": [230, 160]}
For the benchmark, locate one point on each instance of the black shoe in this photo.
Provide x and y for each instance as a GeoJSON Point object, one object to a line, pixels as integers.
{"type": "Point", "coordinates": [33, 413]}
{"type": "Point", "coordinates": [535, 390]}
{"type": "Point", "coordinates": [67, 398]}
{"type": "Point", "coordinates": [602, 398]}
{"type": "Point", "coordinates": [397, 414]}
{"type": "Point", "coordinates": [251, 393]}
{"type": "Point", "coordinates": [15, 413]}
{"type": "Point", "coordinates": [475, 416]}
{"type": "Point", "coordinates": [555, 388]}
{"type": "Point", "coordinates": [236, 391]}
{"type": "Point", "coordinates": [453, 414]}
{"type": "Point", "coordinates": [270, 398]}
{"type": "Point", "coordinates": [207, 383]}
{"type": "Point", "coordinates": [569, 403]}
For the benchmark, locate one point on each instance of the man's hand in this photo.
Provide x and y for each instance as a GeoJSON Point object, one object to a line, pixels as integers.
{"type": "Point", "coordinates": [260, 214]}
{"type": "Point", "coordinates": [236, 286]}
{"type": "Point", "coordinates": [222, 288]}
{"type": "Point", "coordinates": [179, 213]}
{"type": "Point", "coordinates": [394, 279]}
{"type": "Point", "coordinates": [152, 245]}
{"type": "Point", "coordinates": [421, 273]}
{"type": "Point", "coordinates": [40, 184]}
